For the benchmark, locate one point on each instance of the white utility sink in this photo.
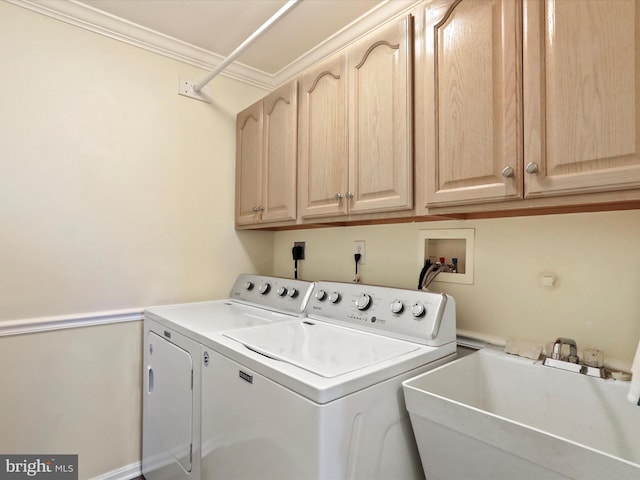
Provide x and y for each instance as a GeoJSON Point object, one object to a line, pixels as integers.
{"type": "Point", "coordinates": [493, 415]}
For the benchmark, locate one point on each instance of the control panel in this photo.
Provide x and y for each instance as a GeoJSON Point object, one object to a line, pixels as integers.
{"type": "Point", "coordinates": [415, 315]}
{"type": "Point", "coordinates": [283, 295]}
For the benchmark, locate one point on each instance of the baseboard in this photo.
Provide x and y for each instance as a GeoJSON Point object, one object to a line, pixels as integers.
{"type": "Point", "coordinates": [125, 473]}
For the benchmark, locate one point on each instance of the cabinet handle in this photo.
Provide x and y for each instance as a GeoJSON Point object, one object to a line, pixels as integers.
{"type": "Point", "coordinates": [254, 209]}
{"type": "Point", "coordinates": [532, 167]}
{"type": "Point", "coordinates": [339, 196]}
{"type": "Point", "coordinates": [507, 172]}
{"type": "Point", "coordinates": [349, 196]}
{"type": "Point", "coordinates": [260, 208]}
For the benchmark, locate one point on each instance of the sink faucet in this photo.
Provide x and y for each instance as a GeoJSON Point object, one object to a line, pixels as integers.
{"type": "Point", "coordinates": [556, 354]}
{"type": "Point", "coordinates": [571, 362]}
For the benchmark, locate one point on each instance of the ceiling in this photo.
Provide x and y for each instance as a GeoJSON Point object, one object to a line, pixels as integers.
{"type": "Point", "coordinates": [220, 26]}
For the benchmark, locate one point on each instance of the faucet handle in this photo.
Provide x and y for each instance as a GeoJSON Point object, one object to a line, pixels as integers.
{"type": "Point", "coordinates": [557, 349]}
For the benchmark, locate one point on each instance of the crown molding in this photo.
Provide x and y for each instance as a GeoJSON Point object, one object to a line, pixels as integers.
{"type": "Point", "coordinates": [81, 15]}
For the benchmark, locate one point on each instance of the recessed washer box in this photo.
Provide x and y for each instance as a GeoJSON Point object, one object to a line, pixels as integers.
{"type": "Point", "coordinates": [448, 243]}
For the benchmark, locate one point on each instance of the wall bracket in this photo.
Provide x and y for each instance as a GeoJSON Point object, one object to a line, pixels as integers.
{"type": "Point", "coordinates": [187, 88]}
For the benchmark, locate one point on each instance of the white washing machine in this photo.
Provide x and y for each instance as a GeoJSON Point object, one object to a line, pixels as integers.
{"type": "Point", "coordinates": [321, 397]}
{"type": "Point", "coordinates": [173, 355]}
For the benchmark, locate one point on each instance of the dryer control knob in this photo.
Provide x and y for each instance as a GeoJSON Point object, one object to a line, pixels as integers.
{"type": "Point", "coordinates": [320, 295]}
{"type": "Point", "coordinates": [363, 301]}
{"type": "Point", "coordinates": [248, 285]}
{"type": "Point", "coordinates": [293, 293]}
{"type": "Point", "coordinates": [334, 297]}
{"type": "Point", "coordinates": [281, 291]}
{"type": "Point", "coordinates": [264, 288]}
{"type": "Point", "coordinates": [417, 310]}
{"type": "Point", "coordinates": [397, 306]}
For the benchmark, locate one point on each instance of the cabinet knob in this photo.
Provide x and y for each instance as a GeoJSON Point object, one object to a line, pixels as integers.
{"type": "Point", "coordinates": [507, 172]}
{"type": "Point", "coordinates": [532, 167]}
{"type": "Point", "coordinates": [339, 196]}
{"type": "Point", "coordinates": [349, 196]}
{"type": "Point", "coordinates": [261, 208]}
{"type": "Point", "coordinates": [254, 209]}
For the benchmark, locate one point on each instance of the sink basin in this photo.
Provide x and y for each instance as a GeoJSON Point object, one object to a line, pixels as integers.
{"type": "Point", "coordinates": [493, 415]}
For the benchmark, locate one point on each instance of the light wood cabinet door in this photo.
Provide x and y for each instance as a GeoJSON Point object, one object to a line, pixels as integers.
{"type": "Point", "coordinates": [380, 120]}
{"type": "Point", "coordinates": [582, 96]}
{"type": "Point", "coordinates": [323, 140]}
{"type": "Point", "coordinates": [249, 165]}
{"type": "Point", "coordinates": [468, 108]}
{"type": "Point", "coordinates": [279, 167]}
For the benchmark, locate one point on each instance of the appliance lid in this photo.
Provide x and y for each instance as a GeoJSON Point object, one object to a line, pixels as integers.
{"type": "Point", "coordinates": [323, 349]}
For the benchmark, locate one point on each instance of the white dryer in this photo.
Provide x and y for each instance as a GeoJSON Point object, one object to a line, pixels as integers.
{"type": "Point", "coordinates": [173, 356]}
{"type": "Point", "coordinates": [321, 397]}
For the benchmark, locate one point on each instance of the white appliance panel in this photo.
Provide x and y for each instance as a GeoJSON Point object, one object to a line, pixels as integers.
{"type": "Point", "coordinates": [168, 412]}
{"type": "Point", "coordinates": [320, 348]}
{"type": "Point", "coordinates": [254, 428]}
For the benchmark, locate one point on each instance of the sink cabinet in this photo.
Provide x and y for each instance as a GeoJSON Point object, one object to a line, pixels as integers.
{"type": "Point", "coordinates": [266, 159]}
{"type": "Point", "coordinates": [518, 100]}
{"type": "Point", "coordinates": [355, 128]}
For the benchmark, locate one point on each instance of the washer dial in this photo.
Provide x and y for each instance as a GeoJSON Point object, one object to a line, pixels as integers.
{"type": "Point", "coordinates": [334, 297]}
{"type": "Point", "coordinates": [363, 301]}
{"type": "Point", "coordinates": [397, 306]}
{"type": "Point", "coordinates": [264, 288]}
{"type": "Point", "coordinates": [418, 310]}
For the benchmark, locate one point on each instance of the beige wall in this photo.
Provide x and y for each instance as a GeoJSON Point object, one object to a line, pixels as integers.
{"type": "Point", "coordinates": [596, 257]}
{"type": "Point", "coordinates": [115, 193]}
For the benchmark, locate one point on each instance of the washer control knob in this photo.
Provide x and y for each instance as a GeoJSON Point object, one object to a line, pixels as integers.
{"type": "Point", "coordinates": [248, 285]}
{"type": "Point", "coordinates": [417, 310]}
{"type": "Point", "coordinates": [397, 306]}
{"type": "Point", "coordinates": [334, 297]}
{"type": "Point", "coordinates": [292, 292]}
{"type": "Point", "coordinates": [282, 291]}
{"type": "Point", "coordinates": [264, 288]}
{"type": "Point", "coordinates": [320, 295]}
{"type": "Point", "coordinates": [363, 301]}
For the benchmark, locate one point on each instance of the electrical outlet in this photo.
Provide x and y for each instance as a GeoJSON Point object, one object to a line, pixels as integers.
{"type": "Point", "coordinates": [358, 247]}
{"type": "Point", "coordinates": [300, 244]}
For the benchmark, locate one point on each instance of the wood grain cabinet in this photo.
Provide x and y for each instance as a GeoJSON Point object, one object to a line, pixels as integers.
{"type": "Point", "coordinates": [468, 123]}
{"type": "Point", "coordinates": [355, 128]}
{"type": "Point", "coordinates": [581, 96]}
{"type": "Point", "coordinates": [266, 159]}
{"type": "Point", "coordinates": [524, 99]}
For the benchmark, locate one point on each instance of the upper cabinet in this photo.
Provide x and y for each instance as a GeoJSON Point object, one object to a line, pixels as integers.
{"type": "Point", "coordinates": [581, 96]}
{"type": "Point", "coordinates": [266, 159]}
{"type": "Point", "coordinates": [381, 120]}
{"type": "Point", "coordinates": [355, 128]}
{"type": "Point", "coordinates": [529, 99]}
{"type": "Point", "coordinates": [468, 101]}
{"type": "Point", "coordinates": [322, 137]}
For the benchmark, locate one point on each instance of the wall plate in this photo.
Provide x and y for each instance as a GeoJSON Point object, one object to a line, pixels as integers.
{"type": "Point", "coordinates": [186, 88]}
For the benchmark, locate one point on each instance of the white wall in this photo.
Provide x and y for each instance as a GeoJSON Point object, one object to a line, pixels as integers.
{"type": "Point", "coordinates": [596, 257]}
{"type": "Point", "coordinates": [115, 193]}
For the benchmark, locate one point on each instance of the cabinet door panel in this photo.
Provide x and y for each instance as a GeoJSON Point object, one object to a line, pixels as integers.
{"type": "Point", "coordinates": [380, 120]}
{"type": "Point", "coordinates": [469, 102]}
{"type": "Point", "coordinates": [582, 95]}
{"type": "Point", "coordinates": [249, 164]}
{"type": "Point", "coordinates": [323, 140]}
{"type": "Point", "coordinates": [280, 154]}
